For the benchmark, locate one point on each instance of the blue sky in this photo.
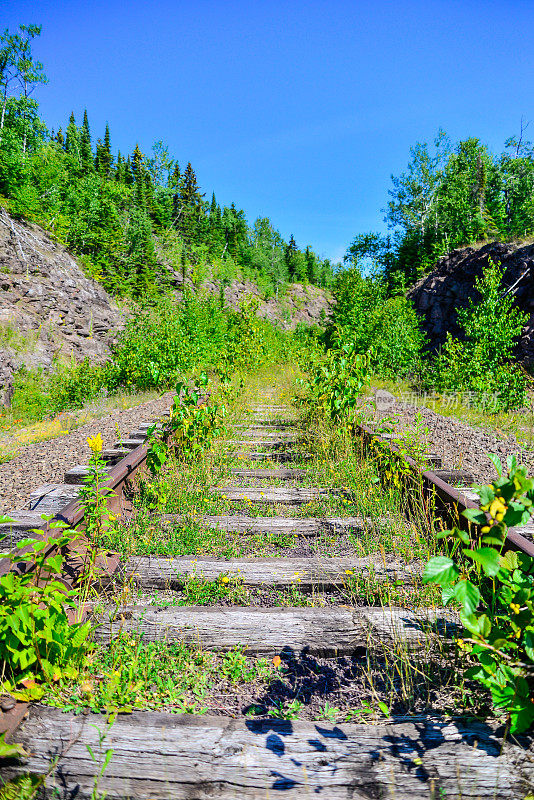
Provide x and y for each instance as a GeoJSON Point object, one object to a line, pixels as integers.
{"type": "Point", "coordinates": [299, 111]}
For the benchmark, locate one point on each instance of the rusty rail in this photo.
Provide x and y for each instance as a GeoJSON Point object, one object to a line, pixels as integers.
{"type": "Point", "coordinates": [450, 496]}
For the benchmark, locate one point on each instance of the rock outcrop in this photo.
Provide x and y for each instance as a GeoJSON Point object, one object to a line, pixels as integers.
{"type": "Point", "coordinates": [451, 284]}
{"type": "Point", "coordinates": [48, 307]}
{"type": "Point", "coordinates": [50, 310]}
{"type": "Point", "coordinates": [300, 303]}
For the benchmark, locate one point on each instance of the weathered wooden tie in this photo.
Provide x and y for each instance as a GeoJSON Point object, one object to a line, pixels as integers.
{"type": "Point", "coordinates": [79, 473]}
{"type": "Point", "coordinates": [327, 631]}
{"type": "Point", "coordinates": [269, 474]}
{"type": "Point", "coordinates": [52, 497]}
{"type": "Point", "coordinates": [187, 757]}
{"type": "Point", "coordinates": [271, 495]}
{"type": "Point", "coordinates": [456, 477]}
{"type": "Point", "coordinates": [21, 527]}
{"type": "Point", "coordinates": [282, 456]}
{"type": "Point", "coordinates": [299, 526]}
{"type": "Point", "coordinates": [154, 572]}
{"type": "Point", "coordinates": [265, 443]}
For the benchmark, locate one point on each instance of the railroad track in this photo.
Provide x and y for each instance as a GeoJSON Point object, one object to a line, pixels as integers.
{"type": "Point", "coordinates": [168, 755]}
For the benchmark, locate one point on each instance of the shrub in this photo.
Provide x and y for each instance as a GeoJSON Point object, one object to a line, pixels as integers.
{"type": "Point", "coordinates": [385, 327]}
{"type": "Point", "coordinates": [482, 363]}
{"type": "Point", "coordinates": [495, 592]}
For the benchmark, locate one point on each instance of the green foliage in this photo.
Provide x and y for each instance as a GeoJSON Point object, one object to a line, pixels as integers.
{"type": "Point", "coordinates": [24, 787]}
{"type": "Point", "coordinates": [482, 363]}
{"type": "Point", "coordinates": [37, 641]}
{"type": "Point", "coordinates": [160, 343]}
{"type": "Point", "coordinates": [337, 381]}
{"type": "Point", "coordinates": [495, 592]}
{"type": "Point", "coordinates": [449, 196]}
{"type": "Point", "coordinates": [387, 328]}
{"type": "Point", "coordinates": [121, 213]}
{"type": "Point", "coordinates": [155, 675]}
{"type": "Point", "coordinates": [194, 424]}
{"type": "Point", "coordinates": [72, 386]}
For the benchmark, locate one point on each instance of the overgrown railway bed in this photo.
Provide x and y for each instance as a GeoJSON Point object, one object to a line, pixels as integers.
{"type": "Point", "coordinates": [330, 608]}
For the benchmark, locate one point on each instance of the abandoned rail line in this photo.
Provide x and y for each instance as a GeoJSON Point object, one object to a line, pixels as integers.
{"type": "Point", "coordinates": [159, 754]}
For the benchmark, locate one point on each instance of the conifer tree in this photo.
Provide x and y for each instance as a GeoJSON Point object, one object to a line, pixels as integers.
{"type": "Point", "coordinates": [72, 143]}
{"type": "Point", "coordinates": [189, 189]}
{"type": "Point", "coordinates": [137, 161]}
{"type": "Point", "coordinates": [175, 178]}
{"type": "Point", "coordinates": [107, 150]}
{"type": "Point", "coordinates": [141, 253]}
{"type": "Point", "coordinates": [104, 158]}
{"type": "Point", "coordinates": [290, 257]}
{"type": "Point", "coordinates": [86, 154]}
{"type": "Point", "coordinates": [128, 172]}
{"type": "Point", "coordinates": [140, 191]}
{"type": "Point", "coordinates": [60, 139]}
{"type": "Point", "coordinates": [188, 206]}
{"type": "Point", "coordinates": [213, 206]}
{"type": "Point", "coordinates": [119, 169]}
{"type": "Point", "coordinates": [148, 190]}
{"type": "Point", "coordinates": [311, 265]}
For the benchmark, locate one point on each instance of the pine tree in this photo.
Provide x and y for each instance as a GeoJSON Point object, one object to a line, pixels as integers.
{"type": "Point", "coordinates": [140, 191]}
{"type": "Point", "coordinates": [311, 265]}
{"type": "Point", "coordinates": [128, 172]}
{"type": "Point", "coordinates": [188, 206]}
{"type": "Point", "coordinates": [86, 153]}
{"type": "Point", "coordinates": [175, 178]}
{"type": "Point", "coordinates": [104, 158]}
{"type": "Point", "coordinates": [107, 150]}
{"type": "Point", "coordinates": [72, 142]}
{"type": "Point", "coordinates": [149, 190]}
{"type": "Point", "coordinates": [60, 139]}
{"type": "Point", "coordinates": [119, 169]}
{"type": "Point", "coordinates": [141, 253]}
{"type": "Point", "coordinates": [189, 190]}
{"type": "Point", "coordinates": [290, 257]}
{"type": "Point", "coordinates": [213, 206]}
{"type": "Point", "coordinates": [137, 161]}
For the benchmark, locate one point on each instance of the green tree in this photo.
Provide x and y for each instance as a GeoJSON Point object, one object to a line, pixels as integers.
{"type": "Point", "coordinates": [483, 362]}
{"type": "Point", "coordinates": [86, 150]}
{"type": "Point", "coordinates": [160, 166]}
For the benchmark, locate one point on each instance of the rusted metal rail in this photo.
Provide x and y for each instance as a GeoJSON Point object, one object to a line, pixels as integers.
{"type": "Point", "coordinates": [73, 515]}
{"type": "Point", "coordinates": [455, 499]}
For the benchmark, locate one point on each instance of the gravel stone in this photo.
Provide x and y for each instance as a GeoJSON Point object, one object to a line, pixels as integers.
{"type": "Point", "coordinates": [46, 462]}
{"type": "Point", "coordinates": [461, 446]}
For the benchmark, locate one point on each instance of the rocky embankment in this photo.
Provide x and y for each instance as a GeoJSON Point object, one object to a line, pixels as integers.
{"type": "Point", "coordinates": [48, 308]}
{"type": "Point", "coordinates": [460, 445]}
{"type": "Point", "coordinates": [305, 304]}
{"type": "Point", "coordinates": [451, 284]}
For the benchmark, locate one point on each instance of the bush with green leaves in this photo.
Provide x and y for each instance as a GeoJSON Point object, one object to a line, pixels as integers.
{"type": "Point", "coordinates": [38, 643]}
{"type": "Point", "coordinates": [494, 589]}
{"type": "Point", "coordinates": [482, 362]}
{"type": "Point", "coordinates": [194, 424]}
{"type": "Point", "coordinates": [385, 327]}
{"type": "Point", "coordinates": [337, 381]}
{"type": "Point", "coordinates": [161, 343]}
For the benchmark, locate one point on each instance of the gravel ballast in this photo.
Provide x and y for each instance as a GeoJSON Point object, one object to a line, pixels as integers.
{"type": "Point", "coordinates": [461, 446]}
{"type": "Point", "coordinates": [46, 462]}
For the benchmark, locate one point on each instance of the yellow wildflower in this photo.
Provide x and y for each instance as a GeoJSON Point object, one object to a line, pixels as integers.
{"type": "Point", "coordinates": [95, 443]}
{"type": "Point", "coordinates": [516, 608]}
